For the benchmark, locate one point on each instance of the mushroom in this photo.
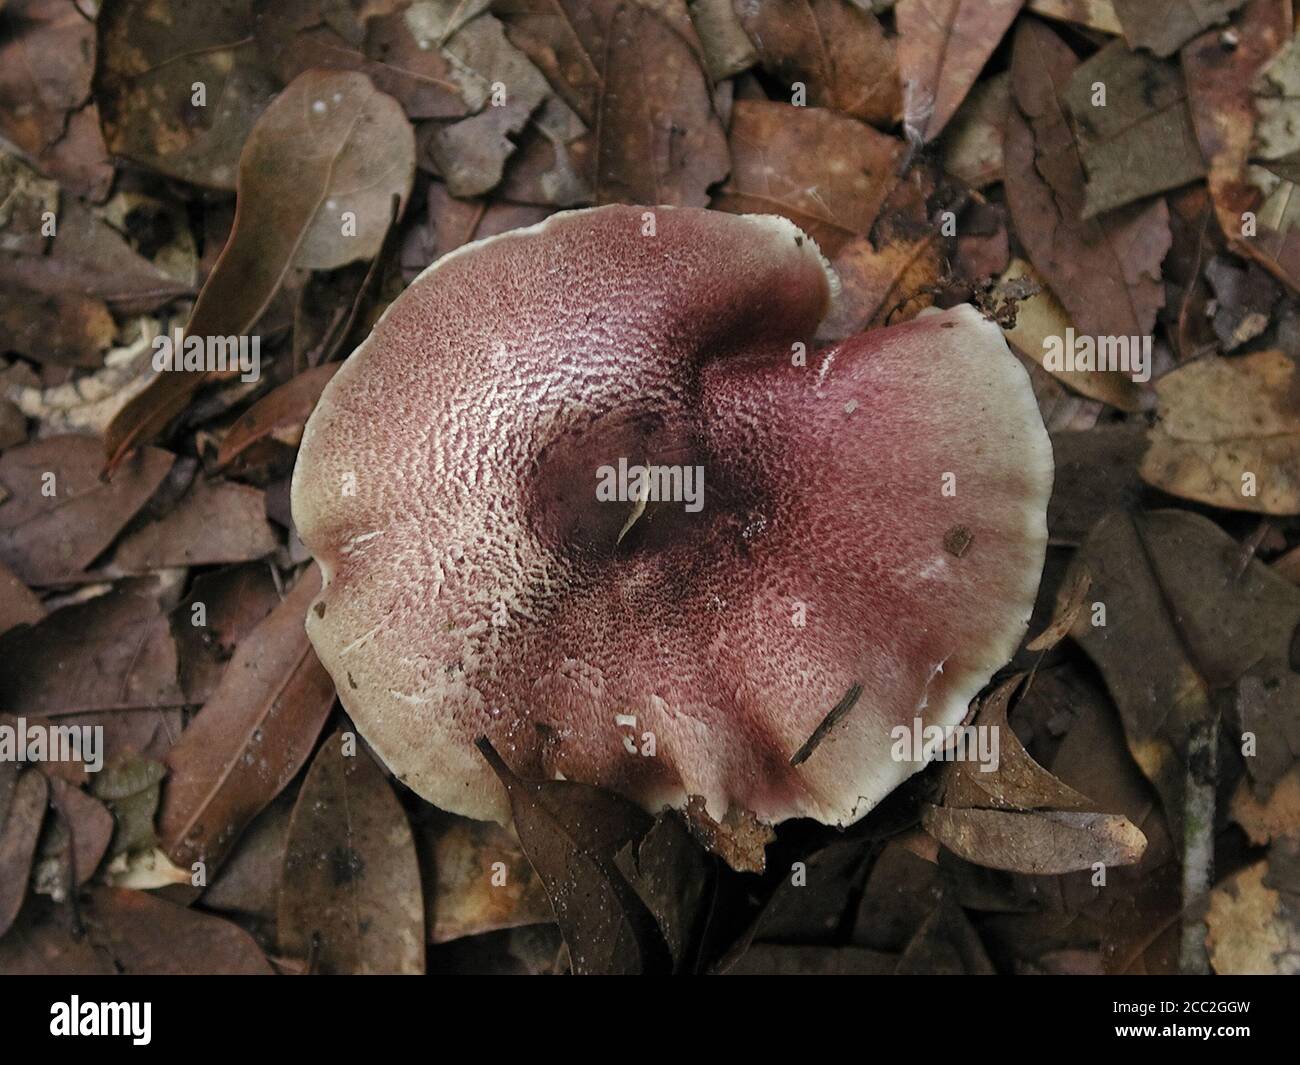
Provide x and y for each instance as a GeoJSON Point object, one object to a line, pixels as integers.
{"type": "Point", "coordinates": [873, 517]}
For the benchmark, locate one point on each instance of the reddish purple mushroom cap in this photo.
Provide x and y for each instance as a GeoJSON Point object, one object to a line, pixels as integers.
{"type": "Point", "coordinates": [872, 514]}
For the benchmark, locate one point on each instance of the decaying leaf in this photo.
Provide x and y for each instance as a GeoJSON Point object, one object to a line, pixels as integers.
{"type": "Point", "coordinates": [1036, 843]}
{"type": "Point", "coordinates": [1254, 926]}
{"type": "Point", "coordinates": [972, 148]}
{"type": "Point", "coordinates": [251, 737]}
{"type": "Point", "coordinates": [836, 50]}
{"type": "Point", "coordinates": [350, 899]}
{"type": "Point", "coordinates": [142, 934]}
{"type": "Point", "coordinates": [284, 409]}
{"type": "Point", "coordinates": [1106, 270]}
{"type": "Point", "coordinates": [19, 831]}
{"type": "Point", "coordinates": [572, 834]}
{"type": "Point", "coordinates": [1185, 629]}
{"type": "Point", "coordinates": [1229, 433]}
{"type": "Point", "coordinates": [1138, 138]}
{"type": "Point", "coordinates": [112, 652]}
{"type": "Point", "coordinates": [942, 46]}
{"type": "Point", "coordinates": [814, 144]}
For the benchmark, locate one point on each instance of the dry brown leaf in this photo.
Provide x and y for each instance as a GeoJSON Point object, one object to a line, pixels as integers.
{"type": "Point", "coordinates": [1040, 319]}
{"type": "Point", "coordinates": [783, 156]}
{"type": "Point", "coordinates": [1164, 27]}
{"type": "Point", "coordinates": [1229, 433]}
{"type": "Point", "coordinates": [19, 831]}
{"type": "Point", "coordinates": [317, 181]}
{"type": "Point", "coordinates": [58, 516]}
{"type": "Point", "coordinates": [836, 50]}
{"type": "Point", "coordinates": [1050, 842]}
{"type": "Point", "coordinates": [350, 899]}
{"type": "Point", "coordinates": [942, 47]}
{"type": "Point", "coordinates": [251, 737]}
{"type": "Point", "coordinates": [1254, 929]}
{"type": "Point", "coordinates": [972, 147]}
{"type": "Point", "coordinates": [215, 522]}
{"type": "Point", "coordinates": [285, 408]}
{"type": "Point", "coordinates": [1106, 270]}
{"type": "Point", "coordinates": [1094, 14]}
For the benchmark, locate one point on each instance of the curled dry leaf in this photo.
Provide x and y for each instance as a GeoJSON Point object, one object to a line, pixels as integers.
{"type": "Point", "coordinates": [813, 143]}
{"type": "Point", "coordinates": [1093, 14]}
{"type": "Point", "coordinates": [942, 47]}
{"type": "Point", "coordinates": [58, 516]}
{"type": "Point", "coordinates": [1017, 782]}
{"type": "Point", "coordinates": [251, 737]}
{"type": "Point", "coordinates": [1042, 325]}
{"type": "Point", "coordinates": [350, 898]}
{"type": "Point", "coordinates": [837, 51]}
{"type": "Point", "coordinates": [1050, 842]}
{"type": "Point", "coordinates": [1070, 603]}
{"type": "Point", "coordinates": [1105, 270]}
{"type": "Point", "coordinates": [317, 179]}
{"type": "Point", "coordinates": [1229, 433]}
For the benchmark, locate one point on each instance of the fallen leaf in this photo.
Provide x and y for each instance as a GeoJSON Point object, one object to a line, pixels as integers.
{"type": "Point", "coordinates": [215, 522]}
{"type": "Point", "coordinates": [1254, 929]}
{"type": "Point", "coordinates": [739, 839]}
{"type": "Point", "coordinates": [1096, 472]}
{"type": "Point", "coordinates": [946, 944]}
{"type": "Point", "coordinates": [481, 880]}
{"type": "Point", "coordinates": [942, 47]}
{"type": "Point", "coordinates": [1106, 270]}
{"type": "Point", "coordinates": [882, 286]}
{"type": "Point", "coordinates": [1140, 139]}
{"type": "Point", "coordinates": [1165, 27]}
{"type": "Point", "coordinates": [220, 611]}
{"type": "Point", "coordinates": [130, 788]}
{"type": "Point", "coordinates": [1221, 71]}
{"type": "Point", "coordinates": [350, 897]}
{"type": "Point", "coordinates": [1017, 782]}
{"type": "Point", "coordinates": [836, 50]}
{"type": "Point", "coordinates": [181, 84]}
{"type": "Point", "coordinates": [1279, 815]}
{"type": "Point", "coordinates": [1070, 604]}
{"type": "Point", "coordinates": [19, 605]}
{"type": "Point", "coordinates": [47, 62]}
{"type": "Point", "coordinates": [571, 833]}
{"type": "Point", "coordinates": [111, 652]}
{"type": "Point", "coordinates": [251, 737]}
{"type": "Point", "coordinates": [1185, 622]}
{"type": "Point", "coordinates": [89, 824]}
{"type": "Point", "coordinates": [836, 173]}
{"type": "Point", "coordinates": [972, 146]}
{"type": "Point", "coordinates": [1042, 324]}
{"type": "Point", "coordinates": [670, 874]}
{"type": "Point", "coordinates": [143, 934]}
{"type": "Point", "coordinates": [1094, 14]}
{"type": "Point", "coordinates": [1228, 433]}
{"type": "Point", "coordinates": [654, 136]}
{"type": "Point", "coordinates": [66, 329]}
{"type": "Point", "coordinates": [18, 835]}
{"type": "Point", "coordinates": [1040, 843]}
{"type": "Point", "coordinates": [285, 408]}
{"type": "Point", "coordinates": [727, 48]}
{"type": "Point", "coordinates": [317, 178]}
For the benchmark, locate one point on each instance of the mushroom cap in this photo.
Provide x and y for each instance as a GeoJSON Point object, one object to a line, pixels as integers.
{"type": "Point", "coordinates": [876, 516]}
